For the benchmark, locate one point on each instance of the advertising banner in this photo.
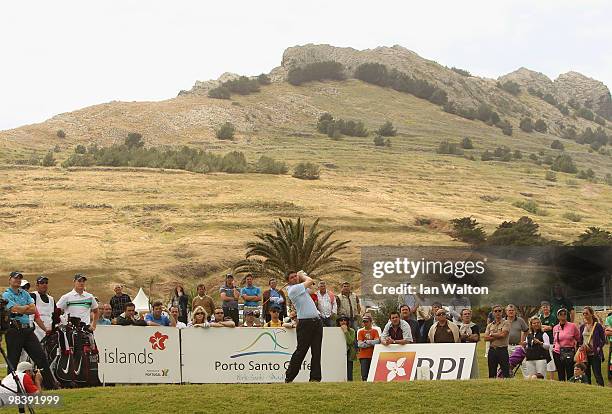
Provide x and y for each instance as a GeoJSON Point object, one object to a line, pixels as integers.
{"type": "Point", "coordinates": [138, 354]}
{"type": "Point", "coordinates": [406, 362]}
{"type": "Point", "coordinates": [256, 355]}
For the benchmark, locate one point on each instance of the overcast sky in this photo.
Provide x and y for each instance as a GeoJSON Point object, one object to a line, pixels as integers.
{"type": "Point", "coordinates": [58, 56]}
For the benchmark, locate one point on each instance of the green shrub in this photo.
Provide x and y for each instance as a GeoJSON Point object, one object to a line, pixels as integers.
{"type": "Point", "coordinates": [438, 97]}
{"type": "Point", "coordinates": [80, 149]}
{"type": "Point", "coordinates": [533, 157]}
{"type": "Point", "coordinates": [306, 171]}
{"type": "Point", "coordinates": [225, 131]}
{"type": "Point", "coordinates": [502, 151]}
{"type": "Point", "coordinates": [526, 124]}
{"type": "Point", "coordinates": [599, 120]}
{"type": "Point", "coordinates": [517, 155]}
{"type": "Point", "coordinates": [528, 205]}
{"type": "Point", "coordinates": [317, 71]}
{"type": "Point", "coordinates": [523, 232]}
{"type": "Point", "coordinates": [548, 160]}
{"type": "Point", "coordinates": [550, 99]}
{"type": "Point", "coordinates": [462, 72]}
{"type": "Point", "coordinates": [589, 174]}
{"type": "Point", "coordinates": [556, 144]}
{"type": "Point", "coordinates": [450, 107]}
{"type": "Point", "coordinates": [468, 230]}
{"type": "Point", "coordinates": [564, 163]}
{"type": "Point", "coordinates": [60, 133]}
{"type": "Point", "coordinates": [535, 92]}
{"type": "Point", "coordinates": [510, 87]}
{"type": "Point", "coordinates": [608, 179]}
{"type": "Point", "coordinates": [550, 176]}
{"type": "Point", "coordinates": [242, 85]}
{"type": "Point", "coordinates": [264, 79]}
{"type": "Point", "coordinates": [505, 126]}
{"type": "Point", "coordinates": [375, 73]}
{"type": "Point", "coordinates": [483, 112]}
{"type": "Point", "coordinates": [220, 92]}
{"type": "Point", "coordinates": [486, 156]}
{"type": "Point", "coordinates": [569, 133]}
{"type": "Point", "coordinates": [563, 109]}
{"type": "Point", "coordinates": [49, 160]}
{"type": "Point", "coordinates": [467, 113]}
{"type": "Point", "coordinates": [325, 120]}
{"type": "Point", "coordinates": [466, 143]}
{"type": "Point", "coordinates": [540, 126]}
{"type": "Point", "coordinates": [571, 216]}
{"type": "Point", "coordinates": [387, 130]}
{"type": "Point", "coordinates": [594, 236]}
{"type": "Point", "coordinates": [234, 162]}
{"type": "Point", "coordinates": [586, 114]}
{"type": "Point", "coordinates": [446, 147]}
{"type": "Point", "coordinates": [268, 165]}
{"type": "Point", "coordinates": [379, 141]}
{"type": "Point", "coordinates": [134, 140]}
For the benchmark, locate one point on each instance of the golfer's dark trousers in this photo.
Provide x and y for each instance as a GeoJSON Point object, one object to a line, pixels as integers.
{"type": "Point", "coordinates": [24, 338]}
{"type": "Point", "coordinates": [309, 335]}
{"type": "Point", "coordinates": [498, 356]}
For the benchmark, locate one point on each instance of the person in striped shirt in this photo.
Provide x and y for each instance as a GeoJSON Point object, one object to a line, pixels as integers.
{"type": "Point", "coordinates": [80, 304]}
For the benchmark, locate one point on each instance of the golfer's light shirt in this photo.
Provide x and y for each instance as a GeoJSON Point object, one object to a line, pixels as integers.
{"type": "Point", "coordinates": [78, 305]}
{"type": "Point", "coordinates": [304, 305]}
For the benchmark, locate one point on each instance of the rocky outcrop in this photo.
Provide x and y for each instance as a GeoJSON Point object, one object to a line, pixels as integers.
{"type": "Point", "coordinates": [202, 87]}
{"type": "Point", "coordinates": [586, 91]}
{"type": "Point", "coordinates": [527, 78]}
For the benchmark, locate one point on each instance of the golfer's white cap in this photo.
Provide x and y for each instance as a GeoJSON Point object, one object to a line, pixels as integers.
{"type": "Point", "coordinates": [24, 366]}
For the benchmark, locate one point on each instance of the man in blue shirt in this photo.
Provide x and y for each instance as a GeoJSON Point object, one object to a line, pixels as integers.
{"type": "Point", "coordinates": [157, 318]}
{"type": "Point", "coordinates": [309, 327]}
{"type": "Point", "coordinates": [250, 294]}
{"type": "Point", "coordinates": [20, 334]}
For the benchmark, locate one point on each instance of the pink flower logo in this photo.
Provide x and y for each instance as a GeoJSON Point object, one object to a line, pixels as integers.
{"type": "Point", "coordinates": [157, 341]}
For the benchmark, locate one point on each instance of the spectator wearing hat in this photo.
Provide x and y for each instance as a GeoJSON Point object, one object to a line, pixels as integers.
{"type": "Point", "coordinates": [203, 300]}
{"type": "Point", "coordinates": [275, 321]}
{"type": "Point", "coordinates": [367, 337]}
{"type": "Point", "coordinates": [80, 304]}
{"type": "Point", "coordinates": [566, 336]}
{"type": "Point", "coordinates": [45, 305]}
{"type": "Point", "coordinates": [396, 331]}
{"type": "Point", "coordinates": [250, 321]}
{"type": "Point", "coordinates": [20, 335]}
{"type": "Point", "coordinates": [229, 299]}
{"type": "Point", "coordinates": [31, 381]}
{"type": "Point", "coordinates": [350, 338]}
{"type": "Point", "coordinates": [118, 301]}
{"type": "Point", "coordinates": [443, 331]}
{"type": "Point", "coordinates": [274, 297]}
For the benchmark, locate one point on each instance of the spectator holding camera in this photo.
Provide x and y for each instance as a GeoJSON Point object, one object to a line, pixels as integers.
{"type": "Point", "coordinates": [30, 379]}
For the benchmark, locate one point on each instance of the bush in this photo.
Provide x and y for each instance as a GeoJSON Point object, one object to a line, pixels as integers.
{"type": "Point", "coordinates": [503, 151]}
{"type": "Point", "coordinates": [220, 92]}
{"type": "Point", "coordinates": [379, 141]}
{"type": "Point", "coordinates": [564, 163]}
{"type": "Point", "coordinates": [226, 131]}
{"type": "Point", "coordinates": [563, 109]}
{"type": "Point", "coordinates": [599, 120]}
{"type": "Point", "coordinates": [60, 133]}
{"type": "Point", "coordinates": [533, 157]}
{"type": "Point", "coordinates": [468, 230]}
{"type": "Point", "coordinates": [334, 128]}
{"type": "Point", "coordinates": [486, 156]}
{"type": "Point", "coordinates": [510, 87]}
{"type": "Point", "coordinates": [571, 216]}
{"type": "Point", "coordinates": [505, 126]}
{"type": "Point", "coordinates": [569, 133]}
{"type": "Point", "coordinates": [446, 147]}
{"type": "Point", "coordinates": [556, 144]}
{"type": "Point", "coordinates": [517, 155]}
{"type": "Point", "coordinates": [608, 179]}
{"type": "Point", "coordinates": [387, 130]}
{"type": "Point", "coordinates": [80, 149]}
{"type": "Point", "coordinates": [526, 124]}
{"type": "Point", "coordinates": [57, 148]}
{"type": "Point", "coordinates": [439, 97]}
{"type": "Point", "coordinates": [268, 165]}
{"type": "Point", "coordinates": [467, 113]}
{"type": "Point", "coordinates": [450, 107]}
{"type": "Point", "coordinates": [594, 236]}
{"type": "Point", "coordinates": [306, 171]}
{"type": "Point", "coordinates": [134, 140]}
{"type": "Point", "coordinates": [466, 143]}
{"type": "Point", "coordinates": [375, 73]}
{"type": "Point", "coordinates": [548, 160]}
{"type": "Point", "coordinates": [550, 176]}
{"type": "Point", "coordinates": [550, 99]}
{"type": "Point", "coordinates": [264, 79]}
{"type": "Point", "coordinates": [535, 92]}
{"type": "Point", "coordinates": [242, 85]}
{"type": "Point", "coordinates": [49, 160]}
{"type": "Point", "coordinates": [352, 128]}
{"type": "Point", "coordinates": [325, 120]}
{"type": "Point", "coordinates": [462, 72]}
{"type": "Point", "coordinates": [523, 232]}
{"type": "Point", "coordinates": [317, 71]}
{"type": "Point", "coordinates": [484, 112]}
{"type": "Point", "coordinates": [589, 174]}
{"type": "Point", "coordinates": [541, 126]}
{"type": "Point", "coordinates": [586, 114]}
{"type": "Point", "coordinates": [234, 162]}
{"type": "Point", "coordinates": [494, 119]}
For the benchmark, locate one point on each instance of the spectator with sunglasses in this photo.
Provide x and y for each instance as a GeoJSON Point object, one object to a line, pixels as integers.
{"type": "Point", "coordinates": [198, 319]}
{"type": "Point", "coordinates": [496, 334]}
{"type": "Point", "coordinates": [45, 304]}
{"type": "Point", "coordinates": [443, 331]}
{"type": "Point", "coordinates": [219, 320]}
{"type": "Point", "coordinates": [565, 336]}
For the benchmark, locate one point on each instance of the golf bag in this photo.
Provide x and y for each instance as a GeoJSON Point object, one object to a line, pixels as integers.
{"type": "Point", "coordinates": [76, 359]}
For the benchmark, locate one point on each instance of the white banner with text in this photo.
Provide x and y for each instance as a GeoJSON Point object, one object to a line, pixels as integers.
{"type": "Point", "coordinates": [423, 361]}
{"type": "Point", "coordinates": [256, 355]}
{"type": "Point", "coordinates": [138, 354]}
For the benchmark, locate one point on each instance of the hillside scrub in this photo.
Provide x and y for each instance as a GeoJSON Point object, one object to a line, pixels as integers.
{"type": "Point", "coordinates": [306, 171]}
{"type": "Point", "coordinates": [336, 127]}
{"type": "Point", "coordinates": [317, 71]}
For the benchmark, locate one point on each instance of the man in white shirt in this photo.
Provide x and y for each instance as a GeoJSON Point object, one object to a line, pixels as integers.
{"type": "Point", "coordinates": [80, 304]}
{"type": "Point", "coordinates": [326, 303]}
{"type": "Point", "coordinates": [174, 311]}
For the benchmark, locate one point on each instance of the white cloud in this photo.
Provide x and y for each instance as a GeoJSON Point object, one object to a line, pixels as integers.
{"type": "Point", "coordinates": [62, 55]}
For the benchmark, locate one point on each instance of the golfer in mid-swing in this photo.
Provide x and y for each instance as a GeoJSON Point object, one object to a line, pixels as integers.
{"type": "Point", "coordinates": [309, 327]}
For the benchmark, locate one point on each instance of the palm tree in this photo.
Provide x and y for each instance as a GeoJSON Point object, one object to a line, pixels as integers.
{"type": "Point", "coordinates": [292, 246]}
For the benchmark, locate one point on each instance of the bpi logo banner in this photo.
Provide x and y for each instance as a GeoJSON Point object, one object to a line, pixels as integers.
{"type": "Point", "coordinates": [443, 361]}
{"type": "Point", "coordinates": [138, 354]}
